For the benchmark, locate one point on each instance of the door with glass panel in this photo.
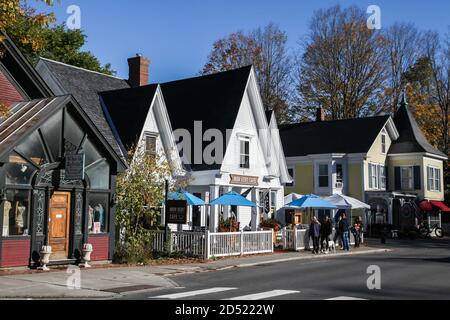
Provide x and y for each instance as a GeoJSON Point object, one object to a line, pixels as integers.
{"type": "Point", "coordinates": [58, 228]}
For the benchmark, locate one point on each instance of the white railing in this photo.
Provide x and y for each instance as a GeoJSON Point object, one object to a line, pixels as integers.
{"type": "Point", "coordinates": [191, 243]}
{"type": "Point", "coordinates": [238, 243]}
{"type": "Point", "coordinates": [209, 245]}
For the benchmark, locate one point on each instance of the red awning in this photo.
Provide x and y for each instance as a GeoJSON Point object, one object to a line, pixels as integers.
{"type": "Point", "coordinates": [426, 206]}
{"type": "Point", "coordinates": [440, 205]}
{"type": "Point", "coordinates": [429, 205]}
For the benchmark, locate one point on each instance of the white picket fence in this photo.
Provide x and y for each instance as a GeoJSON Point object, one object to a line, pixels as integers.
{"type": "Point", "coordinates": [210, 245]}
{"type": "Point", "coordinates": [299, 239]}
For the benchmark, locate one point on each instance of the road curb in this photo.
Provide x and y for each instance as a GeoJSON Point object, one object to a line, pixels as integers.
{"type": "Point", "coordinates": [312, 257]}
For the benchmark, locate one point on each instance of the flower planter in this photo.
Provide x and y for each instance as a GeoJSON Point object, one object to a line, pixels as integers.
{"type": "Point", "coordinates": [87, 251]}
{"type": "Point", "coordinates": [45, 254]}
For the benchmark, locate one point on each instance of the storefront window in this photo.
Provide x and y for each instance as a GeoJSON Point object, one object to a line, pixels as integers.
{"type": "Point", "coordinates": [32, 149]}
{"type": "Point", "coordinates": [72, 131]}
{"type": "Point", "coordinates": [51, 130]}
{"type": "Point", "coordinates": [18, 171]}
{"type": "Point", "coordinates": [97, 213]}
{"type": "Point", "coordinates": [99, 175]}
{"type": "Point", "coordinates": [91, 152]}
{"type": "Point", "coordinates": [15, 213]}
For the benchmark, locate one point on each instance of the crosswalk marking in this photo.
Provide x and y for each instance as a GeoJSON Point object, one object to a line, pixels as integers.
{"type": "Point", "coordinates": [193, 293]}
{"type": "Point", "coordinates": [264, 295]}
{"type": "Point", "coordinates": [343, 298]}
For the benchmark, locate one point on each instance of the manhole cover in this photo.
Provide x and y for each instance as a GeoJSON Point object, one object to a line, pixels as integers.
{"type": "Point", "coordinates": [130, 288]}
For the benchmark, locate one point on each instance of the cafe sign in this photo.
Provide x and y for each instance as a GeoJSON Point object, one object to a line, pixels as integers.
{"type": "Point", "coordinates": [176, 211]}
{"type": "Point", "coordinates": [243, 180]}
{"type": "Point", "coordinates": [74, 166]}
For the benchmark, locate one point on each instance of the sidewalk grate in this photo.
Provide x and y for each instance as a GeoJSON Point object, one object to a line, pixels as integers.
{"type": "Point", "coordinates": [130, 288]}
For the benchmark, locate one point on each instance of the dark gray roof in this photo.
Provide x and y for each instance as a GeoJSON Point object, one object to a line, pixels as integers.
{"type": "Point", "coordinates": [84, 86]}
{"type": "Point", "coordinates": [338, 136]}
{"type": "Point", "coordinates": [411, 138]}
{"type": "Point", "coordinates": [125, 105]}
{"type": "Point", "coordinates": [213, 99]}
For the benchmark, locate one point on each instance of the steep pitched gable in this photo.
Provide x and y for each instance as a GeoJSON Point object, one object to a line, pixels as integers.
{"type": "Point", "coordinates": [411, 138]}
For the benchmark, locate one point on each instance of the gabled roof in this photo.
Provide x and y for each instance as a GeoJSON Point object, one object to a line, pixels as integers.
{"type": "Point", "coordinates": [27, 116]}
{"type": "Point", "coordinates": [411, 138]}
{"type": "Point", "coordinates": [213, 99]}
{"type": "Point", "coordinates": [326, 137]}
{"type": "Point", "coordinates": [123, 106]}
{"type": "Point", "coordinates": [85, 85]}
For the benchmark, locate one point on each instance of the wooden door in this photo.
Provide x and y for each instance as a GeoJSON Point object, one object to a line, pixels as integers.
{"type": "Point", "coordinates": [59, 221]}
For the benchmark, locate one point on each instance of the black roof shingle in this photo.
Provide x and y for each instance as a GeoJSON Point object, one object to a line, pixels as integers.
{"type": "Point", "coordinates": [337, 136]}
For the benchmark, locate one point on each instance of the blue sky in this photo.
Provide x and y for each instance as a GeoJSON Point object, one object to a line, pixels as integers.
{"type": "Point", "coordinates": [177, 35]}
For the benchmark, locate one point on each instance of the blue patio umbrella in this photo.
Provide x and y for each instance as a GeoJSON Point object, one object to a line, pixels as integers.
{"type": "Point", "coordinates": [189, 197]}
{"type": "Point", "coordinates": [312, 202]}
{"type": "Point", "coordinates": [232, 199]}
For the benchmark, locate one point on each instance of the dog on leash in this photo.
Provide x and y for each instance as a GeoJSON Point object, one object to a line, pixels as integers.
{"type": "Point", "coordinates": [331, 246]}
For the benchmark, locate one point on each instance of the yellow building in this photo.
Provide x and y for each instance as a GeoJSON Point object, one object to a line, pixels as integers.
{"type": "Point", "coordinates": [383, 161]}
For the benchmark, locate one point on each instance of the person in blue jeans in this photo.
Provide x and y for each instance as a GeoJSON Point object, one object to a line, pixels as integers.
{"type": "Point", "coordinates": [344, 230]}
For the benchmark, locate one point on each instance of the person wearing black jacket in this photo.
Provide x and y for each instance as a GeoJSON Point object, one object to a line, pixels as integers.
{"type": "Point", "coordinates": [344, 230]}
{"type": "Point", "coordinates": [325, 233]}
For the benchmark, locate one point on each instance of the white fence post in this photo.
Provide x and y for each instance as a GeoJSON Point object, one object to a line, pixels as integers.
{"type": "Point", "coordinates": [207, 244]}
{"type": "Point", "coordinates": [271, 240]}
{"type": "Point", "coordinates": [295, 238]}
{"type": "Point", "coordinates": [284, 238]}
{"type": "Point", "coordinates": [242, 242]}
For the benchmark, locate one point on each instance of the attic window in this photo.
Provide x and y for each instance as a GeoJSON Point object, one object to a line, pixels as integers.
{"type": "Point", "coordinates": [244, 152]}
{"type": "Point", "coordinates": [150, 143]}
{"type": "Point", "coordinates": [383, 143]}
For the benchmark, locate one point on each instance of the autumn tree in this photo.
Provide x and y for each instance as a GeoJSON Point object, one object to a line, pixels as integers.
{"type": "Point", "coordinates": [402, 43]}
{"type": "Point", "coordinates": [342, 67]}
{"type": "Point", "coordinates": [265, 49]}
{"type": "Point", "coordinates": [36, 35]}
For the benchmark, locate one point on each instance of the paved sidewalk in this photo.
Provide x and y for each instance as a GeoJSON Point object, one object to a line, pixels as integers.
{"type": "Point", "coordinates": [111, 282]}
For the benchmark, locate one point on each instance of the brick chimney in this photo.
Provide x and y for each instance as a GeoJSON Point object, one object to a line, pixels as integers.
{"type": "Point", "coordinates": [138, 71]}
{"type": "Point", "coordinates": [320, 116]}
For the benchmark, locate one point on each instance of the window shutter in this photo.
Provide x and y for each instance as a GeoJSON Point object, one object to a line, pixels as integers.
{"type": "Point", "coordinates": [386, 172]}
{"type": "Point", "coordinates": [417, 180]}
{"type": "Point", "coordinates": [370, 177]}
{"type": "Point", "coordinates": [398, 178]}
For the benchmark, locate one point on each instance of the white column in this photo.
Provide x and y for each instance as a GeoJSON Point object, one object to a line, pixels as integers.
{"type": "Point", "coordinates": [227, 209]}
{"type": "Point", "coordinates": [255, 210]}
{"type": "Point", "coordinates": [213, 210]}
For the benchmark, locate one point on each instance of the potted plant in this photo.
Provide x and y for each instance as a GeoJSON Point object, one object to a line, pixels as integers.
{"type": "Point", "coordinates": [87, 251]}
{"type": "Point", "coordinates": [229, 225]}
{"type": "Point", "coordinates": [270, 224]}
{"type": "Point", "coordinates": [45, 254]}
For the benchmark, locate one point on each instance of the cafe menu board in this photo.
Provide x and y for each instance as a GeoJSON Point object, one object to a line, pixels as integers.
{"type": "Point", "coordinates": [176, 211]}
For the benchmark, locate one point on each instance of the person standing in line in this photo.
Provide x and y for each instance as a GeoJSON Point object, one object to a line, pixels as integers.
{"type": "Point", "coordinates": [325, 232]}
{"type": "Point", "coordinates": [357, 230]}
{"type": "Point", "coordinates": [337, 234]}
{"type": "Point", "coordinates": [314, 232]}
{"type": "Point", "coordinates": [344, 231]}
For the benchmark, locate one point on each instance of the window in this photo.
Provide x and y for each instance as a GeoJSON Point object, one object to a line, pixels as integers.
{"type": "Point", "coordinates": [291, 172]}
{"type": "Point", "coordinates": [339, 176]}
{"type": "Point", "coordinates": [97, 213]}
{"type": "Point", "coordinates": [434, 179]}
{"type": "Point", "coordinates": [273, 201]}
{"type": "Point", "coordinates": [323, 176]}
{"type": "Point", "coordinates": [377, 176]}
{"type": "Point", "coordinates": [245, 153]}
{"type": "Point", "coordinates": [383, 143]}
{"type": "Point", "coordinates": [16, 213]}
{"type": "Point", "coordinates": [150, 143]}
{"type": "Point", "coordinates": [407, 178]}
{"type": "Point", "coordinates": [383, 178]}
{"type": "Point", "coordinates": [99, 174]}
{"type": "Point", "coordinates": [18, 171]}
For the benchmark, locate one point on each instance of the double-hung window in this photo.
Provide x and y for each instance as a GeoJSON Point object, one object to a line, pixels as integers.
{"type": "Point", "coordinates": [383, 143]}
{"type": "Point", "coordinates": [407, 178]}
{"type": "Point", "coordinates": [323, 176]}
{"type": "Point", "coordinates": [434, 179]}
{"type": "Point", "coordinates": [291, 172]}
{"type": "Point", "coordinates": [244, 153]}
{"type": "Point", "coordinates": [377, 177]}
{"type": "Point", "coordinates": [150, 143]}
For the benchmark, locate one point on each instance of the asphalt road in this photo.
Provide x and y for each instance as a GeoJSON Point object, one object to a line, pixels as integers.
{"type": "Point", "coordinates": [413, 270]}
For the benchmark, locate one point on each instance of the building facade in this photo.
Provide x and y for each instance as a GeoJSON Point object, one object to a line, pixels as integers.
{"type": "Point", "coordinates": [57, 174]}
